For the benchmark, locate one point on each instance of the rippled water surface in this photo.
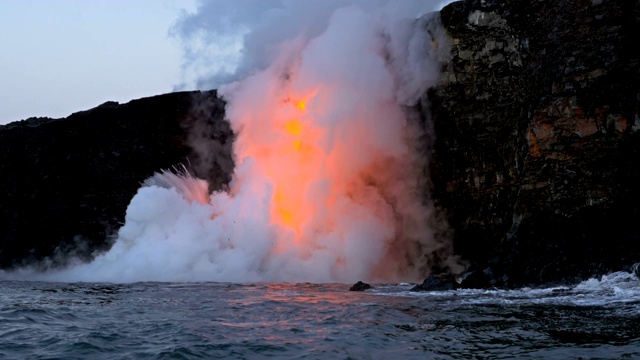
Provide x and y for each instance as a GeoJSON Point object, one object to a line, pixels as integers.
{"type": "Point", "coordinates": [597, 319]}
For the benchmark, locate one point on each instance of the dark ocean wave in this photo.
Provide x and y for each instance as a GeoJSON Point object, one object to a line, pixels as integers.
{"type": "Point", "coordinates": [599, 318]}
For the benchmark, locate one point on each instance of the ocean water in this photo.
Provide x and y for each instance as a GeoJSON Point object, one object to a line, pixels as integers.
{"type": "Point", "coordinates": [598, 319]}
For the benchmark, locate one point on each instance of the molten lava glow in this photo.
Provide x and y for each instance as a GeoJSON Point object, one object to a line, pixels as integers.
{"type": "Point", "coordinates": [324, 155]}
{"type": "Point", "coordinates": [294, 127]}
{"type": "Point", "coordinates": [293, 164]}
{"type": "Point", "coordinates": [301, 105]}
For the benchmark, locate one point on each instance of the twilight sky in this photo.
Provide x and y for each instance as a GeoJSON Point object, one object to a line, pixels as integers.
{"type": "Point", "coordinates": [59, 57]}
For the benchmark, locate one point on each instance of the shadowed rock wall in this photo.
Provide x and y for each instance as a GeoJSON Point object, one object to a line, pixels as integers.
{"type": "Point", "coordinates": [537, 153]}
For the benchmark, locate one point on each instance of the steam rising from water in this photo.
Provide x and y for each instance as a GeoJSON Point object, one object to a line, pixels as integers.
{"type": "Point", "coordinates": [330, 163]}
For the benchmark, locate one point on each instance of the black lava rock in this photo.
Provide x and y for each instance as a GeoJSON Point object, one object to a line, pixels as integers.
{"type": "Point", "coordinates": [437, 283]}
{"type": "Point", "coordinates": [360, 286]}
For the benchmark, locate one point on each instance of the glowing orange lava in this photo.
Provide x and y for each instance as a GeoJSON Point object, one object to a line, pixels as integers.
{"type": "Point", "coordinates": [282, 140]}
{"type": "Point", "coordinates": [292, 162]}
{"type": "Point", "coordinates": [325, 167]}
{"type": "Point", "coordinates": [294, 127]}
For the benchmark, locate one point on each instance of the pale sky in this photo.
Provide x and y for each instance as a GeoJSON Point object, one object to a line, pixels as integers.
{"type": "Point", "coordinates": [62, 56]}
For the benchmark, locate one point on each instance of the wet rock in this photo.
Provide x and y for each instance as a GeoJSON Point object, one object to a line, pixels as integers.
{"type": "Point", "coordinates": [437, 283]}
{"type": "Point", "coordinates": [477, 279]}
{"type": "Point", "coordinates": [360, 286]}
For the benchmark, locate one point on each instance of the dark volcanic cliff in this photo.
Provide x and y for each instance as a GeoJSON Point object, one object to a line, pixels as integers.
{"type": "Point", "coordinates": [537, 153]}
{"type": "Point", "coordinates": [66, 183]}
{"type": "Point", "coordinates": [535, 161]}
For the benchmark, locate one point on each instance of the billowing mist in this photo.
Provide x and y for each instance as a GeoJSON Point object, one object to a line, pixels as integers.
{"type": "Point", "coordinates": [331, 177]}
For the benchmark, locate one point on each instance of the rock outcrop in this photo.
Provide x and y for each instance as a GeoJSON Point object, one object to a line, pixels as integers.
{"type": "Point", "coordinates": [537, 157]}
{"type": "Point", "coordinates": [66, 183]}
{"type": "Point", "coordinates": [360, 286]}
{"type": "Point", "coordinates": [437, 283]}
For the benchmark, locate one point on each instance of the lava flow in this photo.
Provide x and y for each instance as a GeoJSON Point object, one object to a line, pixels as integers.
{"type": "Point", "coordinates": [291, 161]}
{"type": "Point", "coordinates": [332, 150]}
{"type": "Point", "coordinates": [328, 174]}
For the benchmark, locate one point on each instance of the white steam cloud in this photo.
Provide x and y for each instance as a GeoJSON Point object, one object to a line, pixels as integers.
{"type": "Point", "coordinates": [329, 181]}
{"type": "Point", "coordinates": [227, 40]}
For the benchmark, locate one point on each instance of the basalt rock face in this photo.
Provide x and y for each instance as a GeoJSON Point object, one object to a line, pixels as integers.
{"type": "Point", "coordinates": [66, 183]}
{"type": "Point", "coordinates": [537, 157]}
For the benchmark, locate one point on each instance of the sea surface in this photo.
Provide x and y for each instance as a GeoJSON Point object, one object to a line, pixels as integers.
{"type": "Point", "coordinates": [598, 319]}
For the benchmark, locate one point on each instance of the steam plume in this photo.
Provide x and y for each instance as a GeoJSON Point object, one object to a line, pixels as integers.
{"type": "Point", "coordinates": [329, 184]}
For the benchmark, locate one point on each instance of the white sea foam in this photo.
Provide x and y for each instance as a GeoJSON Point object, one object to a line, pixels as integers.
{"type": "Point", "coordinates": [608, 290]}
